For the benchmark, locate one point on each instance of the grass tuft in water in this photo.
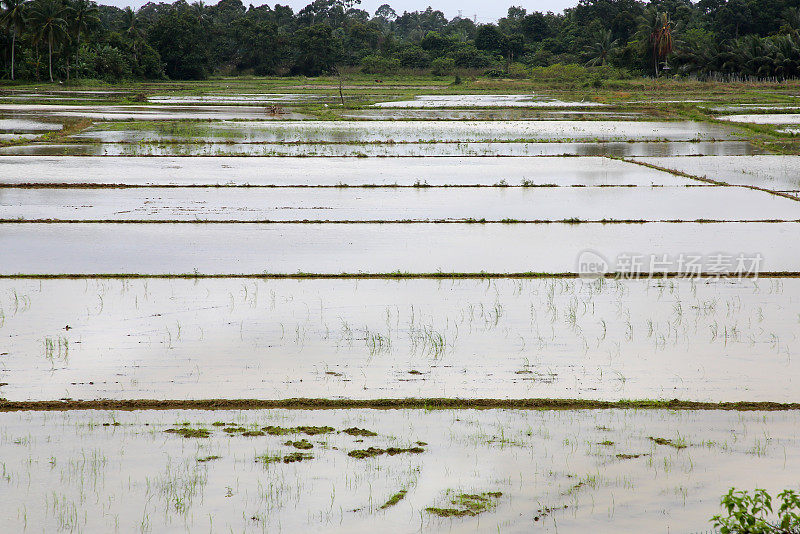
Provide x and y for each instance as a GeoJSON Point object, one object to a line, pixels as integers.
{"type": "Point", "coordinates": [394, 499]}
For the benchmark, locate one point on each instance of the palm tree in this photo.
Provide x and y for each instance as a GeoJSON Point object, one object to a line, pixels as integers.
{"type": "Point", "coordinates": [132, 29]}
{"type": "Point", "coordinates": [662, 40]}
{"type": "Point", "coordinates": [655, 29]}
{"type": "Point", "coordinates": [604, 47]}
{"type": "Point", "coordinates": [201, 12]}
{"type": "Point", "coordinates": [14, 19]}
{"type": "Point", "coordinates": [47, 17]}
{"type": "Point", "coordinates": [83, 15]}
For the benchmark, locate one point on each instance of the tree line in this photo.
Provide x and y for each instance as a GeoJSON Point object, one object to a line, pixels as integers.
{"type": "Point", "coordinates": [66, 39]}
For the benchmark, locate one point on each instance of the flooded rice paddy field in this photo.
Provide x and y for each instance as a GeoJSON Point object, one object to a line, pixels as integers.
{"type": "Point", "coordinates": [488, 114]}
{"type": "Point", "coordinates": [493, 470]}
{"type": "Point", "coordinates": [396, 150]}
{"type": "Point", "coordinates": [333, 171]}
{"type": "Point", "coordinates": [379, 131]}
{"type": "Point", "coordinates": [180, 217]}
{"type": "Point", "coordinates": [261, 98]}
{"type": "Point", "coordinates": [775, 172]}
{"type": "Point", "coordinates": [468, 101]}
{"type": "Point", "coordinates": [345, 203]}
{"type": "Point", "coordinates": [253, 248]}
{"type": "Point", "coordinates": [765, 118]}
{"type": "Point", "coordinates": [146, 113]}
{"type": "Point", "coordinates": [21, 129]}
{"type": "Point", "coordinates": [25, 126]}
{"type": "Point", "coordinates": [703, 340]}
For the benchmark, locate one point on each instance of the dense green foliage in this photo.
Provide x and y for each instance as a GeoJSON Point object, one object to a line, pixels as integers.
{"type": "Point", "coordinates": [63, 39]}
{"type": "Point", "coordinates": [753, 514]}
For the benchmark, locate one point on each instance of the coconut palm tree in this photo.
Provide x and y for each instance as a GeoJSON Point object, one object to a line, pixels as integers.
{"type": "Point", "coordinates": [200, 10]}
{"type": "Point", "coordinates": [604, 47]}
{"type": "Point", "coordinates": [13, 18]}
{"type": "Point", "coordinates": [655, 30]}
{"type": "Point", "coordinates": [47, 16]}
{"type": "Point", "coordinates": [131, 27]}
{"type": "Point", "coordinates": [83, 14]}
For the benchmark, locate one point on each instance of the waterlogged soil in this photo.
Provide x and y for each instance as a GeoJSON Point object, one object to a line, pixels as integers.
{"type": "Point", "coordinates": [147, 113]}
{"type": "Point", "coordinates": [778, 108]}
{"type": "Point", "coordinates": [764, 118]}
{"type": "Point", "coordinates": [241, 98]}
{"type": "Point", "coordinates": [12, 126]}
{"type": "Point", "coordinates": [250, 248]}
{"type": "Point", "coordinates": [540, 470]}
{"type": "Point", "coordinates": [779, 173]}
{"type": "Point", "coordinates": [484, 114]}
{"type": "Point", "coordinates": [467, 101]}
{"type": "Point", "coordinates": [511, 149]}
{"type": "Point", "coordinates": [406, 131]}
{"type": "Point", "coordinates": [7, 136]}
{"type": "Point", "coordinates": [443, 204]}
{"type": "Point", "coordinates": [281, 171]}
{"type": "Point", "coordinates": [700, 340]}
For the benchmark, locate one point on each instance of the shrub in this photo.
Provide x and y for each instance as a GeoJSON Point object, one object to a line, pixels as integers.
{"type": "Point", "coordinates": [517, 70]}
{"type": "Point", "coordinates": [414, 57]}
{"type": "Point", "coordinates": [749, 514]}
{"type": "Point", "coordinates": [379, 65]}
{"type": "Point", "coordinates": [559, 72]}
{"type": "Point", "coordinates": [469, 57]}
{"type": "Point", "coordinates": [442, 66]}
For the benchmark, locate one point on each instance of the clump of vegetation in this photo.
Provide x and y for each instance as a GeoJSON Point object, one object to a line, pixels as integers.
{"type": "Point", "coordinates": [353, 431]}
{"type": "Point", "coordinates": [394, 499]}
{"type": "Point", "coordinates": [187, 432]}
{"type": "Point", "coordinates": [750, 514]}
{"type": "Point", "coordinates": [314, 430]}
{"type": "Point", "coordinates": [629, 456]}
{"type": "Point", "coordinates": [303, 444]}
{"type": "Point", "coordinates": [467, 504]}
{"type": "Point", "coordinates": [544, 512]}
{"type": "Point", "coordinates": [375, 451]}
{"type": "Point", "coordinates": [309, 430]}
{"type": "Point", "coordinates": [267, 459]}
{"type": "Point", "coordinates": [366, 453]}
{"type": "Point", "coordinates": [253, 433]}
{"type": "Point", "coordinates": [296, 457]}
{"type": "Point", "coordinates": [679, 443]}
{"type": "Point", "coordinates": [205, 459]}
{"type": "Point", "coordinates": [277, 430]}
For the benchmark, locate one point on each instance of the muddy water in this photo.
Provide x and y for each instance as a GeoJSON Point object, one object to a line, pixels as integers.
{"type": "Point", "coordinates": [408, 131]}
{"type": "Point", "coordinates": [624, 149]}
{"type": "Point", "coordinates": [483, 114]}
{"type": "Point", "coordinates": [149, 113]}
{"type": "Point", "coordinates": [66, 471]}
{"type": "Point", "coordinates": [266, 98]}
{"type": "Point", "coordinates": [444, 101]}
{"type": "Point", "coordinates": [26, 125]}
{"type": "Point", "coordinates": [249, 248]}
{"type": "Point", "coordinates": [588, 171]}
{"type": "Point", "coordinates": [780, 173]}
{"type": "Point", "coordinates": [764, 118]}
{"type": "Point", "coordinates": [697, 340]}
{"type": "Point", "coordinates": [397, 204]}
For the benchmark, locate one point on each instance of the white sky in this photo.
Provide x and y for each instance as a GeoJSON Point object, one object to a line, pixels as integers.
{"type": "Point", "coordinates": [485, 11]}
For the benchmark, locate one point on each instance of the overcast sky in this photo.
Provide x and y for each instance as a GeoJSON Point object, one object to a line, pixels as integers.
{"type": "Point", "coordinates": [486, 11]}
